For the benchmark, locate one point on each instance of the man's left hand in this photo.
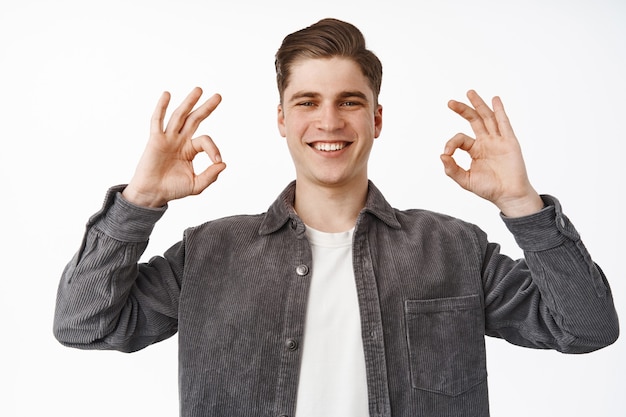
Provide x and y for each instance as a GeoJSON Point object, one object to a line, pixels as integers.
{"type": "Point", "coordinates": [497, 171]}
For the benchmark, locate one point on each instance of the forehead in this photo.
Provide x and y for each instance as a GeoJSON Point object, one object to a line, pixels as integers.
{"type": "Point", "coordinates": [327, 76]}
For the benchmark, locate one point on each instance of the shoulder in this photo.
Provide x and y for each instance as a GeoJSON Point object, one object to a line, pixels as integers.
{"type": "Point", "coordinates": [413, 216]}
{"type": "Point", "coordinates": [431, 222]}
{"type": "Point", "coordinates": [240, 223]}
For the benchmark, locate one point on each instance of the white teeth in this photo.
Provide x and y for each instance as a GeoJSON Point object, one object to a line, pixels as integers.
{"type": "Point", "coordinates": [328, 147]}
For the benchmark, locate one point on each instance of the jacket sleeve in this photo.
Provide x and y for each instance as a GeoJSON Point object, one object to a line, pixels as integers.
{"type": "Point", "coordinates": [554, 298]}
{"type": "Point", "coordinates": [105, 299]}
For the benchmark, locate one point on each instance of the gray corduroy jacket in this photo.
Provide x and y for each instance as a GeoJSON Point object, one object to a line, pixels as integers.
{"type": "Point", "coordinates": [430, 287]}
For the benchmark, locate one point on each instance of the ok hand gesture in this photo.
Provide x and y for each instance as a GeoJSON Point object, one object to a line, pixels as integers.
{"type": "Point", "coordinates": [497, 171]}
{"type": "Point", "coordinates": [165, 171]}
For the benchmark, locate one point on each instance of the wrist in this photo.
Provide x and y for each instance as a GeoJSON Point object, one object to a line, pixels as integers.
{"type": "Point", "coordinates": [523, 206]}
{"type": "Point", "coordinates": [142, 199]}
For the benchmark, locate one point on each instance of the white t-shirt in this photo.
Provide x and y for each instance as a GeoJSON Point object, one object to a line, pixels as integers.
{"type": "Point", "coordinates": [332, 377]}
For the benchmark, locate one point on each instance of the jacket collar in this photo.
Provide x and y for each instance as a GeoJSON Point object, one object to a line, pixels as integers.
{"type": "Point", "coordinates": [281, 211]}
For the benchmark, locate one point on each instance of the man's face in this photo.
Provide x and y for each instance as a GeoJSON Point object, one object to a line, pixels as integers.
{"type": "Point", "coordinates": [330, 119]}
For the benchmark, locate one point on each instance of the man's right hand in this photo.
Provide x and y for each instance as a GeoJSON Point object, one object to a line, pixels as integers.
{"type": "Point", "coordinates": [165, 171]}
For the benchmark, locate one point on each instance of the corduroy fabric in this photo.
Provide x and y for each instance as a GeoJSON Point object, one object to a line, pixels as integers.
{"type": "Point", "coordinates": [430, 288]}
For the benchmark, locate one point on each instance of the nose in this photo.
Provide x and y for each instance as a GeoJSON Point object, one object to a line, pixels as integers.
{"type": "Point", "coordinates": [330, 118]}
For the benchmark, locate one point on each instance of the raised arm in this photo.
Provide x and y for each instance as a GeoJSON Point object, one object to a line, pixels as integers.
{"type": "Point", "coordinates": [106, 299]}
{"type": "Point", "coordinates": [165, 171]}
{"type": "Point", "coordinates": [497, 171]}
{"type": "Point", "coordinates": [556, 297]}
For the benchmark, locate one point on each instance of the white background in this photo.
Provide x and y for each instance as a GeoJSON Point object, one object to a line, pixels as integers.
{"type": "Point", "coordinates": [79, 81]}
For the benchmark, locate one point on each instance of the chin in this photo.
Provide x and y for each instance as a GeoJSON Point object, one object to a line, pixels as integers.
{"type": "Point", "coordinates": [338, 181]}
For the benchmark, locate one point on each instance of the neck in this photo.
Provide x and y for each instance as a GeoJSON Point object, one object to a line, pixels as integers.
{"type": "Point", "coordinates": [330, 209]}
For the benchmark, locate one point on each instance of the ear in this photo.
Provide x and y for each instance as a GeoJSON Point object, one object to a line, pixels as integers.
{"type": "Point", "coordinates": [281, 121]}
{"type": "Point", "coordinates": [378, 120]}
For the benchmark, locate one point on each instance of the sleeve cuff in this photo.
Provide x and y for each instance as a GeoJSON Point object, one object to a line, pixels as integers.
{"type": "Point", "coordinates": [124, 221]}
{"type": "Point", "coordinates": [543, 230]}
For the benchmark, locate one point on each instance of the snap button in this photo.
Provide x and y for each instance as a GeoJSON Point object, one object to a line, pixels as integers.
{"type": "Point", "coordinates": [291, 344]}
{"type": "Point", "coordinates": [302, 270]}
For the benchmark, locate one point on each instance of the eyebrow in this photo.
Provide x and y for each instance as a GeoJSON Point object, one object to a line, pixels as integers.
{"type": "Point", "coordinates": [303, 94]}
{"type": "Point", "coordinates": [344, 94]}
{"type": "Point", "coordinates": [357, 94]}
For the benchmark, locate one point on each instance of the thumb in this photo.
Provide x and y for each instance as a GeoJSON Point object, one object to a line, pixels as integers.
{"type": "Point", "coordinates": [454, 171]}
{"type": "Point", "coordinates": [208, 177]}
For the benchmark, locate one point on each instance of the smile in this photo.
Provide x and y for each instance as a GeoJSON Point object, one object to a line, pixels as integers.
{"type": "Point", "coordinates": [329, 147]}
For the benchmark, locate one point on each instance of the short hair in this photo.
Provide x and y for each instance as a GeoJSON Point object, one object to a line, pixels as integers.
{"type": "Point", "coordinates": [326, 39]}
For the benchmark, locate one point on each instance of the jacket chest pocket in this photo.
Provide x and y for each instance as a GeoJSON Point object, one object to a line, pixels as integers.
{"type": "Point", "coordinates": [446, 344]}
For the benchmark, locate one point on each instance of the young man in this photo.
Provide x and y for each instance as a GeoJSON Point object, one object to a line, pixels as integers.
{"type": "Point", "coordinates": [332, 303]}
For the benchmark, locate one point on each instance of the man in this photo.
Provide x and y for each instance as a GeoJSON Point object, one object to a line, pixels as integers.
{"type": "Point", "coordinates": [332, 303]}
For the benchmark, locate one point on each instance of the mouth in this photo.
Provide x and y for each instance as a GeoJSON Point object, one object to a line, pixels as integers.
{"type": "Point", "coordinates": [329, 146]}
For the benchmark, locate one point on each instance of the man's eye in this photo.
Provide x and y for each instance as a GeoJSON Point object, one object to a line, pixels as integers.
{"type": "Point", "coordinates": [350, 103]}
{"type": "Point", "coordinates": [306, 104]}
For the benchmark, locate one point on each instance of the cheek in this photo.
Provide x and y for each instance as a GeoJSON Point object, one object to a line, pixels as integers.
{"type": "Point", "coordinates": [295, 128]}
{"type": "Point", "coordinates": [369, 127]}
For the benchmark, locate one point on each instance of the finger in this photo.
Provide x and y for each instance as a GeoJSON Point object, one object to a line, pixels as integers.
{"type": "Point", "coordinates": [451, 168]}
{"type": "Point", "coordinates": [504, 125]}
{"type": "Point", "coordinates": [471, 115]}
{"type": "Point", "coordinates": [209, 175]}
{"type": "Point", "coordinates": [458, 141]}
{"type": "Point", "coordinates": [198, 115]}
{"type": "Point", "coordinates": [179, 115]}
{"type": "Point", "coordinates": [205, 144]}
{"type": "Point", "coordinates": [156, 123]}
{"type": "Point", "coordinates": [484, 112]}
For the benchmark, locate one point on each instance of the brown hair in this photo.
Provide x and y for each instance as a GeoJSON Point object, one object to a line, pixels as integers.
{"type": "Point", "coordinates": [325, 39]}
